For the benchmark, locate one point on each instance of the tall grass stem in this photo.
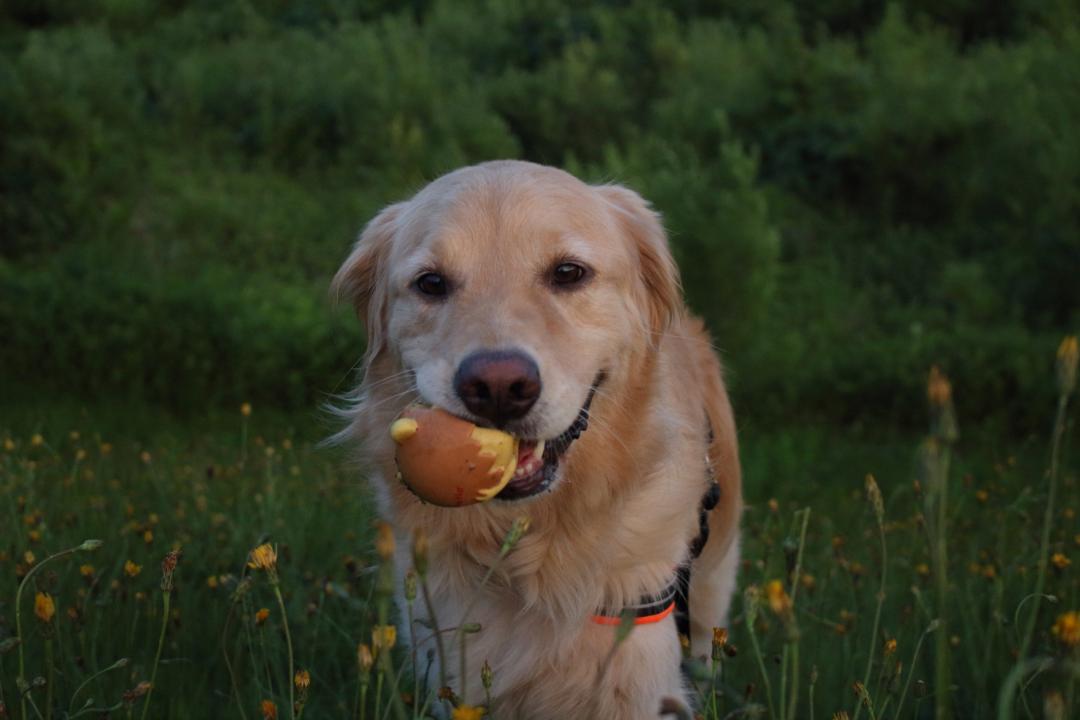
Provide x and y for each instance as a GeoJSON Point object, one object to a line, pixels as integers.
{"type": "Point", "coordinates": [165, 601]}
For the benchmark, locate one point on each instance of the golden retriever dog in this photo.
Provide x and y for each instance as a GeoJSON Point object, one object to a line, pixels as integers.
{"type": "Point", "coordinates": [518, 297]}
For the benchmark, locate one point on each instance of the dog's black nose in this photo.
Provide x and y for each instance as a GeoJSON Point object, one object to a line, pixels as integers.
{"type": "Point", "coordinates": [498, 385]}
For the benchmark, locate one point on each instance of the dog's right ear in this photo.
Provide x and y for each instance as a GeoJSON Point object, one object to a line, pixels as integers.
{"type": "Point", "coordinates": [358, 278]}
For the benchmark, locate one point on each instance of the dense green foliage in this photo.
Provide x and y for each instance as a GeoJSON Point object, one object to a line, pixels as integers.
{"type": "Point", "coordinates": [855, 190]}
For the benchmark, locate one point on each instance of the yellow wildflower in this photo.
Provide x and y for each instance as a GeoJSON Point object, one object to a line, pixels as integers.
{"type": "Point", "coordinates": [263, 557]}
{"type": "Point", "coordinates": [719, 636]}
{"type": "Point", "coordinates": [890, 647]}
{"type": "Point", "coordinates": [467, 712]}
{"type": "Point", "coordinates": [212, 582]}
{"type": "Point", "coordinates": [982, 496]}
{"type": "Point", "coordinates": [383, 637]}
{"type": "Point", "coordinates": [87, 571]}
{"type": "Point", "coordinates": [384, 541]}
{"type": "Point", "coordinates": [132, 569]}
{"type": "Point", "coordinates": [44, 607]}
{"type": "Point", "coordinates": [261, 616]}
{"type": "Point", "coordinates": [37, 440]}
{"type": "Point", "coordinates": [302, 679]}
{"type": "Point", "coordinates": [145, 457]}
{"type": "Point", "coordinates": [1060, 561]}
{"type": "Point", "coordinates": [1067, 629]}
{"type": "Point", "coordinates": [245, 409]}
{"type": "Point", "coordinates": [922, 570]}
{"type": "Point", "coordinates": [268, 710]}
{"type": "Point", "coordinates": [779, 601]}
{"type": "Point", "coordinates": [9, 444]}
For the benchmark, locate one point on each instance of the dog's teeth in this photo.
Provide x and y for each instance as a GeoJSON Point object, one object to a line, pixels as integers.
{"type": "Point", "coordinates": [538, 451]}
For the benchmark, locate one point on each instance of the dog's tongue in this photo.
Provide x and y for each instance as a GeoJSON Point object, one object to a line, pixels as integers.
{"type": "Point", "coordinates": [529, 460]}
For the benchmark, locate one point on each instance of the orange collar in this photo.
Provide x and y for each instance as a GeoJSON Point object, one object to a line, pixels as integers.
{"type": "Point", "coordinates": [638, 620]}
{"type": "Point", "coordinates": [651, 608]}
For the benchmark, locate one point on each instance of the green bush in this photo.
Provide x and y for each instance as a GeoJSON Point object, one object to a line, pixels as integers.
{"type": "Point", "coordinates": [77, 328]}
{"type": "Point", "coordinates": [854, 190]}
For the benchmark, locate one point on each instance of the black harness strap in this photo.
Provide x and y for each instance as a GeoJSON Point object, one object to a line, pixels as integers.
{"type": "Point", "coordinates": [682, 573]}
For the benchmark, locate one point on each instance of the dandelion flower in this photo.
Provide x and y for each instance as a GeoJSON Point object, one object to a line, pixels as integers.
{"type": "Point", "coordinates": [37, 440]}
{"type": "Point", "coordinates": [261, 616]}
{"type": "Point", "coordinates": [1067, 629]}
{"type": "Point", "coordinates": [384, 541]}
{"type": "Point", "coordinates": [302, 680]}
{"type": "Point", "coordinates": [719, 636]}
{"type": "Point", "coordinates": [890, 647]}
{"type": "Point", "coordinates": [263, 557]}
{"type": "Point", "coordinates": [132, 569]}
{"type": "Point", "coordinates": [467, 712]}
{"type": "Point", "coordinates": [1060, 561]}
{"type": "Point", "coordinates": [44, 607]}
{"type": "Point", "coordinates": [245, 409]}
{"type": "Point", "coordinates": [9, 444]}
{"type": "Point", "coordinates": [268, 710]}
{"type": "Point", "coordinates": [383, 637]}
{"type": "Point", "coordinates": [145, 457]}
{"type": "Point", "coordinates": [779, 601]}
{"type": "Point", "coordinates": [87, 571]}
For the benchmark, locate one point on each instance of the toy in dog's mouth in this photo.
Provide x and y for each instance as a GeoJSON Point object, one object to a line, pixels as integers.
{"type": "Point", "coordinates": [447, 460]}
{"type": "Point", "coordinates": [538, 462]}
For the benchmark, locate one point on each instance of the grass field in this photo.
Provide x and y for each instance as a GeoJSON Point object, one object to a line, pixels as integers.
{"type": "Point", "coordinates": [847, 605]}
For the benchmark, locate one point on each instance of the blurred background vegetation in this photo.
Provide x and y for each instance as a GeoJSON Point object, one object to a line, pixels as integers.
{"type": "Point", "coordinates": [854, 189]}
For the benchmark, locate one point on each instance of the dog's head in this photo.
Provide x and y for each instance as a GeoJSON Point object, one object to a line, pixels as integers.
{"type": "Point", "coordinates": [506, 293]}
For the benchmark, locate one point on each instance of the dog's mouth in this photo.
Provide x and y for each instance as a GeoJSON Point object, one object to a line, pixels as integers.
{"type": "Point", "coordinates": [538, 460]}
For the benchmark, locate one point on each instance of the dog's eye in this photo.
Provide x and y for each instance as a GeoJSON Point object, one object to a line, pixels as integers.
{"type": "Point", "coordinates": [568, 273]}
{"type": "Point", "coordinates": [431, 284]}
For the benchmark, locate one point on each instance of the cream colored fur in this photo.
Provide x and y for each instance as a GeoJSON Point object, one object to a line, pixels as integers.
{"type": "Point", "coordinates": [620, 519]}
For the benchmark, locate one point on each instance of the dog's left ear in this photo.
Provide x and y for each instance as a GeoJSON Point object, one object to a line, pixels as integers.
{"type": "Point", "coordinates": [358, 279]}
{"type": "Point", "coordinates": [659, 273]}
